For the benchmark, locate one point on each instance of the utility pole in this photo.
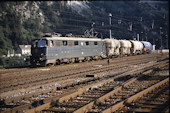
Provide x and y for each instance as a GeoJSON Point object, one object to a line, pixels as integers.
{"type": "Point", "coordinates": [92, 29]}
{"type": "Point", "coordinates": [164, 16]}
{"type": "Point", "coordinates": [167, 40]}
{"type": "Point", "coordinates": [141, 19]}
{"type": "Point", "coordinates": [138, 37]}
{"type": "Point", "coordinates": [146, 36]}
{"type": "Point", "coordinates": [130, 27]}
{"type": "Point", "coordinates": [153, 40]}
{"type": "Point", "coordinates": [102, 23]}
{"type": "Point", "coordinates": [119, 21]}
{"type": "Point", "coordinates": [152, 24]}
{"type": "Point", "coordinates": [161, 36]}
{"type": "Point", "coordinates": [110, 15]}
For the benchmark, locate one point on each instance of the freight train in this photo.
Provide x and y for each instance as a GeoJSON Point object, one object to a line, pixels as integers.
{"type": "Point", "coordinates": [54, 49]}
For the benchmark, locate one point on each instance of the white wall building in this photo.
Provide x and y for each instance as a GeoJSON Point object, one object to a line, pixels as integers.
{"type": "Point", "coordinates": [24, 49]}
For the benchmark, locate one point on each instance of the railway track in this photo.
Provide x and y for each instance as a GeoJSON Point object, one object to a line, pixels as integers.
{"type": "Point", "coordinates": [93, 71]}
{"type": "Point", "coordinates": [29, 101]}
{"type": "Point", "coordinates": [156, 100]}
{"type": "Point", "coordinates": [100, 98]}
{"type": "Point", "coordinates": [126, 92]}
{"type": "Point", "coordinates": [33, 73]}
{"type": "Point", "coordinates": [124, 74]}
{"type": "Point", "coordinates": [19, 71]}
{"type": "Point", "coordinates": [7, 85]}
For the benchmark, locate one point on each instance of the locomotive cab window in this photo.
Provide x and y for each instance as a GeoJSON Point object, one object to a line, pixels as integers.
{"type": "Point", "coordinates": [95, 43]}
{"type": "Point", "coordinates": [64, 43]}
{"type": "Point", "coordinates": [51, 43]}
{"type": "Point", "coordinates": [41, 43]}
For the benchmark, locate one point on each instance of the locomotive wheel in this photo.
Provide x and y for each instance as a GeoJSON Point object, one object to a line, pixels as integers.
{"type": "Point", "coordinates": [51, 64]}
{"type": "Point", "coordinates": [58, 62]}
{"type": "Point", "coordinates": [69, 61]}
{"type": "Point", "coordinates": [76, 60]}
{"type": "Point", "coordinates": [85, 59]}
{"type": "Point", "coordinates": [88, 59]}
{"type": "Point", "coordinates": [33, 65]}
{"type": "Point", "coordinates": [72, 60]}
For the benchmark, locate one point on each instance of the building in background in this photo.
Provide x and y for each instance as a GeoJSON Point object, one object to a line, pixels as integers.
{"type": "Point", "coordinates": [24, 49]}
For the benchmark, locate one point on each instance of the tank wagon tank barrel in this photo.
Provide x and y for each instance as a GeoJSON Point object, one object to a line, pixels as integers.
{"type": "Point", "coordinates": [112, 47]}
{"type": "Point", "coordinates": [137, 47]}
{"type": "Point", "coordinates": [147, 46]}
{"type": "Point", "coordinates": [125, 47]}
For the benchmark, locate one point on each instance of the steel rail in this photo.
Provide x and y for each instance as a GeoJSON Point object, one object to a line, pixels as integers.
{"type": "Point", "coordinates": [115, 61]}
{"type": "Point", "coordinates": [78, 93]}
{"type": "Point", "coordinates": [94, 71]}
{"type": "Point", "coordinates": [134, 97]}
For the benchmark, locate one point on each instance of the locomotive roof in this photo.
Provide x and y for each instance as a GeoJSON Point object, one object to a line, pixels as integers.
{"type": "Point", "coordinates": [71, 38]}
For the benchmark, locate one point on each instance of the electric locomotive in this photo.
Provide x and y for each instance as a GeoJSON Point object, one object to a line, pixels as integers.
{"type": "Point", "coordinates": [54, 49]}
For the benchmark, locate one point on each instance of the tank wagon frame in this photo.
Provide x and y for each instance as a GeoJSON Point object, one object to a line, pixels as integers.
{"type": "Point", "coordinates": [52, 50]}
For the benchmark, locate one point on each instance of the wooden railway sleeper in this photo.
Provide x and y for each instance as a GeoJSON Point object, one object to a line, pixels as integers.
{"type": "Point", "coordinates": [115, 107]}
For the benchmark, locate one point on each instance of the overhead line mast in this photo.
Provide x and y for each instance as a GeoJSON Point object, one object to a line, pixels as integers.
{"type": "Point", "coordinates": [110, 15]}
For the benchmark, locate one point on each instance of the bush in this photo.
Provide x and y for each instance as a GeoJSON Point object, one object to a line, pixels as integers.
{"type": "Point", "coordinates": [14, 62]}
{"type": "Point", "coordinates": [2, 62]}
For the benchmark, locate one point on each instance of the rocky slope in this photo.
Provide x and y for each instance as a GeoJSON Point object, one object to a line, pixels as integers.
{"type": "Point", "coordinates": [22, 21]}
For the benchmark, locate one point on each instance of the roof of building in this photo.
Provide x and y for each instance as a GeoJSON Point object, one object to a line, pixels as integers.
{"type": "Point", "coordinates": [26, 47]}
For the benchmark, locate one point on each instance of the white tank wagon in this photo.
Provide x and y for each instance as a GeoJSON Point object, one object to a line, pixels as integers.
{"type": "Point", "coordinates": [125, 47]}
{"type": "Point", "coordinates": [117, 53]}
{"type": "Point", "coordinates": [112, 47]}
{"type": "Point", "coordinates": [137, 47]}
